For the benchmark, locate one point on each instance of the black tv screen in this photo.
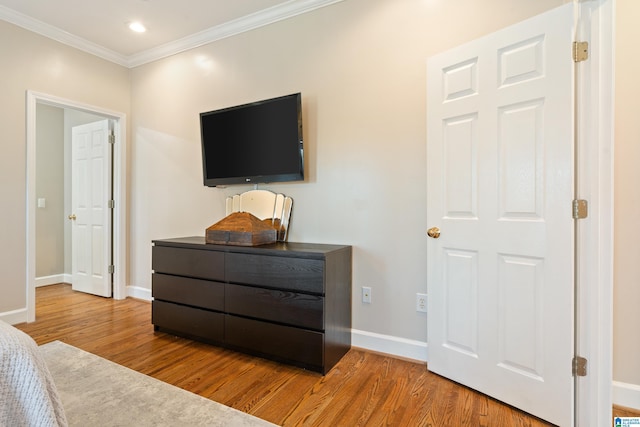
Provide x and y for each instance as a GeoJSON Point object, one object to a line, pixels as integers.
{"type": "Point", "coordinates": [253, 143]}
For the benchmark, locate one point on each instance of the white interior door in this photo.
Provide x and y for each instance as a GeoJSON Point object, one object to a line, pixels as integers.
{"type": "Point", "coordinates": [500, 176]}
{"type": "Point", "coordinates": [91, 215]}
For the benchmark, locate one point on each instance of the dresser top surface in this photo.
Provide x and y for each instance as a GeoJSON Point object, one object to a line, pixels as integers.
{"type": "Point", "coordinates": [279, 248]}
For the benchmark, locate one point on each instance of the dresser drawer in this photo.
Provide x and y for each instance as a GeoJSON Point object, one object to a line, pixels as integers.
{"type": "Point", "coordinates": [184, 290]}
{"type": "Point", "coordinates": [293, 308]}
{"type": "Point", "coordinates": [297, 346]}
{"type": "Point", "coordinates": [189, 321]}
{"type": "Point", "coordinates": [296, 274]}
{"type": "Point", "coordinates": [202, 264]}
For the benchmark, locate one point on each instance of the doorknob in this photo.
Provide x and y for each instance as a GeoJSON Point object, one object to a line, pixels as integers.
{"type": "Point", "coordinates": [433, 232]}
{"type": "Point", "coordinates": [72, 217]}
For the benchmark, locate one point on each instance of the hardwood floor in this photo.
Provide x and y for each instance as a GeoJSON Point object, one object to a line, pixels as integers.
{"type": "Point", "coordinates": [364, 388]}
{"type": "Point", "coordinates": [621, 411]}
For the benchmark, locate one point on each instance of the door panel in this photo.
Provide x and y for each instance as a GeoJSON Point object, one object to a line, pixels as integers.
{"type": "Point", "coordinates": [520, 293]}
{"type": "Point", "coordinates": [91, 191]}
{"type": "Point", "coordinates": [461, 287]}
{"type": "Point", "coordinates": [500, 176]}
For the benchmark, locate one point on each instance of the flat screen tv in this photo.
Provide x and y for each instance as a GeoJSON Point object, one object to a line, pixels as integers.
{"type": "Point", "coordinates": [253, 143]}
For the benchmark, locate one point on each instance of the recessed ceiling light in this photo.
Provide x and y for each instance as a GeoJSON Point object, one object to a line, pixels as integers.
{"type": "Point", "coordinates": [137, 27]}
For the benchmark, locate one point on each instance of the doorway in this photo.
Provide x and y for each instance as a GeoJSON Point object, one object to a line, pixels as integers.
{"type": "Point", "coordinates": [87, 113]}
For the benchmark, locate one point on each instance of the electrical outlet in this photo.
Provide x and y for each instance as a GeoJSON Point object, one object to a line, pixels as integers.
{"type": "Point", "coordinates": [366, 294]}
{"type": "Point", "coordinates": [421, 303]}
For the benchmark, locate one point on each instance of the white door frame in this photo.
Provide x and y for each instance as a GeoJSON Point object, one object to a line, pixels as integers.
{"type": "Point", "coordinates": [595, 130]}
{"type": "Point", "coordinates": [119, 192]}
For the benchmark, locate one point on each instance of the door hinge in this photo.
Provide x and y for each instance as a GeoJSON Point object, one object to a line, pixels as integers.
{"type": "Point", "coordinates": [579, 367]}
{"type": "Point", "coordinates": [111, 269]}
{"type": "Point", "coordinates": [111, 204]}
{"type": "Point", "coordinates": [580, 209]}
{"type": "Point", "coordinates": [112, 138]}
{"type": "Point", "coordinates": [580, 51]}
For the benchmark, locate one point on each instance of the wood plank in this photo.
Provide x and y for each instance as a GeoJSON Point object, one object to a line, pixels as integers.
{"type": "Point", "coordinates": [621, 411]}
{"type": "Point", "coordinates": [364, 388]}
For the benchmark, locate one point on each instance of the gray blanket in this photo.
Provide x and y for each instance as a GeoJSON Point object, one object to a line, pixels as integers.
{"type": "Point", "coordinates": [28, 396]}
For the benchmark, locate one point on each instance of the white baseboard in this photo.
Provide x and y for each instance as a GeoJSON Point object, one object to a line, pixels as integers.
{"type": "Point", "coordinates": [15, 316]}
{"type": "Point", "coordinates": [139, 293]}
{"type": "Point", "coordinates": [52, 280]}
{"type": "Point", "coordinates": [395, 346]}
{"type": "Point", "coordinates": [627, 395]}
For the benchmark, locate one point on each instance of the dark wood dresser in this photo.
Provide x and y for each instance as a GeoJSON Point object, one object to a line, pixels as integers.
{"type": "Point", "coordinates": [289, 302]}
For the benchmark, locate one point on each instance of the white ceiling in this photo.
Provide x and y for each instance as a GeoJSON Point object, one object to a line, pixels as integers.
{"type": "Point", "coordinates": [100, 27]}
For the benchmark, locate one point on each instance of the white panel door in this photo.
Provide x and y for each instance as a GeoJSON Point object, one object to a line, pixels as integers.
{"type": "Point", "coordinates": [500, 176]}
{"type": "Point", "coordinates": [91, 215]}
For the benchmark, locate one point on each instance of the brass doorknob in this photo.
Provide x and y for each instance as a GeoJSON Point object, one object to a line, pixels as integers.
{"type": "Point", "coordinates": [433, 232]}
{"type": "Point", "coordinates": [72, 217]}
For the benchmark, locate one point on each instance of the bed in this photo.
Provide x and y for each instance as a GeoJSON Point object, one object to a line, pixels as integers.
{"type": "Point", "coordinates": [28, 395]}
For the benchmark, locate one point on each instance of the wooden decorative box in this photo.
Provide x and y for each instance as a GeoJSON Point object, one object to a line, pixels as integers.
{"type": "Point", "coordinates": [241, 229]}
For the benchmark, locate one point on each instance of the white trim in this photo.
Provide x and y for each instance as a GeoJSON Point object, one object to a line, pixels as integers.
{"type": "Point", "coordinates": [14, 317]}
{"type": "Point", "coordinates": [394, 346]}
{"type": "Point", "coordinates": [595, 183]}
{"type": "Point", "coordinates": [249, 22]}
{"type": "Point", "coordinates": [246, 23]}
{"type": "Point", "coordinates": [139, 293]}
{"type": "Point", "coordinates": [119, 230]}
{"type": "Point", "coordinates": [31, 209]}
{"type": "Point", "coordinates": [627, 395]}
{"type": "Point", "coordinates": [52, 280]}
{"type": "Point", "coordinates": [59, 35]}
{"type": "Point", "coordinates": [119, 187]}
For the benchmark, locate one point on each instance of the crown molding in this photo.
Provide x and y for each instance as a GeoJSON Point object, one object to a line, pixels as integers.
{"type": "Point", "coordinates": [61, 36]}
{"type": "Point", "coordinates": [246, 23]}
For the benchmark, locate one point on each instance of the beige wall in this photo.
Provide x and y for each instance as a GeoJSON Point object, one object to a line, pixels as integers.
{"type": "Point", "coordinates": [32, 62]}
{"type": "Point", "coordinates": [50, 187]}
{"type": "Point", "coordinates": [361, 68]}
{"type": "Point", "coordinates": [626, 354]}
